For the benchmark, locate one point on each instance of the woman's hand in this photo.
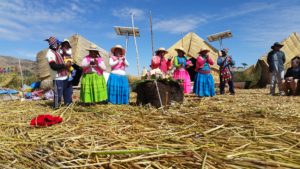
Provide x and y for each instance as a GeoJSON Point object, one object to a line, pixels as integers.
{"type": "Point", "coordinates": [96, 62]}
{"type": "Point", "coordinates": [92, 62]}
{"type": "Point", "coordinates": [121, 59]}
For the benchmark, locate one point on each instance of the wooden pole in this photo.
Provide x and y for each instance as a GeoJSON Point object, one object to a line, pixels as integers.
{"type": "Point", "coordinates": [182, 40]}
{"type": "Point", "coordinates": [155, 81]}
{"type": "Point", "coordinates": [136, 48]}
{"type": "Point", "coordinates": [152, 38]}
{"type": "Point", "coordinates": [191, 40]}
{"type": "Point", "coordinates": [20, 67]}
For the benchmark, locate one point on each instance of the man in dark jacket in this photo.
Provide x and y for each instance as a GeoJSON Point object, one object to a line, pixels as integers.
{"type": "Point", "coordinates": [276, 60]}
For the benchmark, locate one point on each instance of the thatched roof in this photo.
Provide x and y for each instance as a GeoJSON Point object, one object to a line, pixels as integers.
{"type": "Point", "coordinates": [79, 45]}
{"type": "Point", "coordinates": [192, 43]}
{"type": "Point", "coordinates": [291, 48]}
{"type": "Point", "coordinates": [259, 72]}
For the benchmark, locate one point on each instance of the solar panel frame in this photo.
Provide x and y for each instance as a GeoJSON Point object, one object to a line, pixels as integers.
{"type": "Point", "coordinates": [126, 31]}
{"type": "Point", "coordinates": [219, 36]}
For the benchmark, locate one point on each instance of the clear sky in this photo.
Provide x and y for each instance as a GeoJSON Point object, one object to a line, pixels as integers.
{"type": "Point", "coordinates": [255, 24]}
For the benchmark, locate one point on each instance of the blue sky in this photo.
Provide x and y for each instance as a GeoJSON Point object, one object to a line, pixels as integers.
{"type": "Point", "coordinates": [255, 24]}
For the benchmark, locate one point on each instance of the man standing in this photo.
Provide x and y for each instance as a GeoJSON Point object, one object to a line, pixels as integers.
{"type": "Point", "coordinates": [62, 87]}
{"type": "Point", "coordinates": [276, 60]}
{"type": "Point", "coordinates": [226, 62]}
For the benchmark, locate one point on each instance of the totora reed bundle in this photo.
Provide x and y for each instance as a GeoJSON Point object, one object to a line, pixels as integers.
{"type": "Point", "coordinates": [249, 130]}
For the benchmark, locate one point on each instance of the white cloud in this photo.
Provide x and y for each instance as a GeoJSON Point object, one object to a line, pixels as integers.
{"type": "Point", "coordinates": [8, 34]}
{"type": "Point", "coordinates": [76, 8]}
{"type": "Point", "coordinates": [179, 25]}
{"type": "Point", "coordinates": [21, 19]}
{"type": "Point", "coordinates": [111, 35]}
{"type": "Point", "coordinates": [244, 9]}
{"type": "Point", "coordinates": [189, 23]}
{"type": "Point", "coordinates": [268, 27]}
{"type": "Point", "coordinates": [11, 24]}
{"type": "Point", "coordinates": [126, 12]}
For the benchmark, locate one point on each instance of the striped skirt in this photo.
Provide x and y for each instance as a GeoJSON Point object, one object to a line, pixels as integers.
{"type": "Point", "coordinates": [204, 85]}
{"type": "Point", "coordinates": [182, 74]}
{"type": "Point", "coordinates": [118, 89]}
{"type": "Point", "coordinates": [93, 88]}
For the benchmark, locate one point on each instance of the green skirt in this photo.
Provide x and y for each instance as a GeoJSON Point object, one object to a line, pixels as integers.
{"type": "Point", "coordinates": [93, 88]}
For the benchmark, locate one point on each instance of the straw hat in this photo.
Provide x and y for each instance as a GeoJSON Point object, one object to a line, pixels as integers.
{"type": "Point", "coordinates": [92, 48]}
{"type": "Point", "coordinates": [180, 49]}
{"type": "Point", "coordinates": [66, 41]}
{"type": "Point", "coordinates": [203, 50]}
{"type": "Point", "coordinates": [161, 49]}
{"type": "Point", "coordinates": [117, 47]}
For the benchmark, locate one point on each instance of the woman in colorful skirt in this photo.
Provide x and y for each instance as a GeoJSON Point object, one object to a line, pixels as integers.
{"type": "Point", "coordinates": [204, 85]}
{"type": "Point", "coordinates": [93, 84]}
{"type": "Point", "coordinates": [181, 63]}
{"type": "Point", "coordinates": [118, 86]}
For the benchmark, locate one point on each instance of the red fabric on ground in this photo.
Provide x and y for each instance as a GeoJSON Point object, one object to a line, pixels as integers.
{"type": "Point", "coordinates": [45, 120]}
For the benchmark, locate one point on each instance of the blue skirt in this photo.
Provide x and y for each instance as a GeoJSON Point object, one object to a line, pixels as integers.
{"type": "Point", "coordinates": [204, 85]}
{"type": "Point", "coordinates": [118, 89]}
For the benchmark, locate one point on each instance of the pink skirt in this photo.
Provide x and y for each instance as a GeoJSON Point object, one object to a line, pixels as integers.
{"type": "Point", "coordinates": [183, 75]}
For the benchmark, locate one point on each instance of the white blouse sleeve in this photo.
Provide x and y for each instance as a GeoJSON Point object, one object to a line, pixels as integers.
{"type": "Point", "coordinates": [85, 63]}
{"type": "Point", "coordinates": [102, 65]}
{"type": "Point", "coordinates": [112, 62]}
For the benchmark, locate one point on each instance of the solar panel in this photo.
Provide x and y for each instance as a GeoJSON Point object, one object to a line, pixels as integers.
{"type": "Point", "coordinates": [127, 31]}
{"type": "Point", "coordinates": [219, 36]}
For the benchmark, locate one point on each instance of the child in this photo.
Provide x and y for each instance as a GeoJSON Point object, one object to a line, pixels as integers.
{"type": "Point", "coordinates": [66, 52]}
{"type": "Point", "coordinates": [291, 78]}
{"type": "Point", "coordinates": [71, 70]}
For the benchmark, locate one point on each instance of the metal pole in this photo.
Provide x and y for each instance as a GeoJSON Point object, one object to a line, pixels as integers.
{"type": "Point", "coordinates": [136, 48]}
{"type": "Point", "coordinates": [152, 40]}
{"type": "Point", "coordinates": [221, 44]}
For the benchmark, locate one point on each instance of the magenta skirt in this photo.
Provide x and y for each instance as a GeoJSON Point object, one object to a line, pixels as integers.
{"type": "Point", "coordinates": [182, 74]}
